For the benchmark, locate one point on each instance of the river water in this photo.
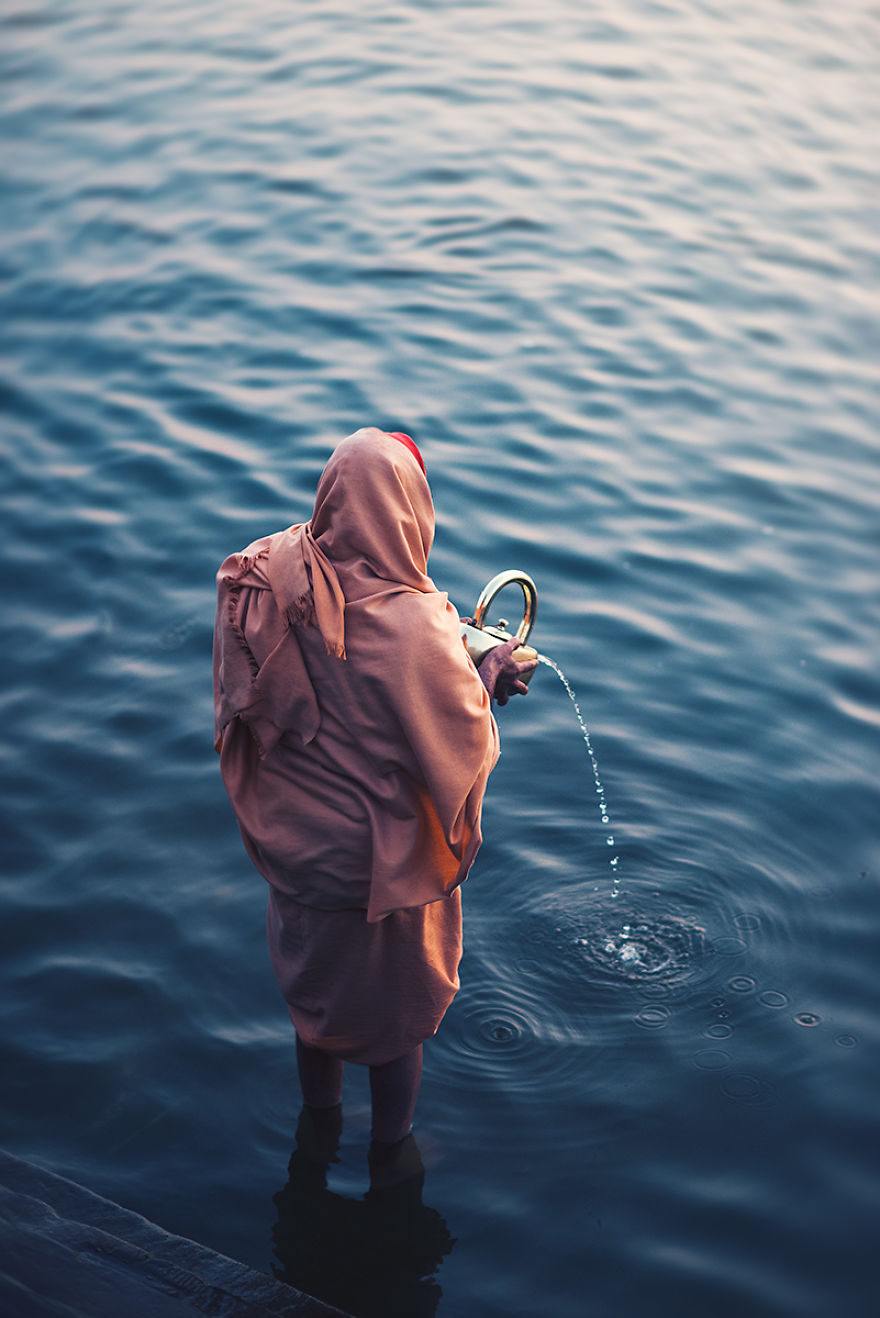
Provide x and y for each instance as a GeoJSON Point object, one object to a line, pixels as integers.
{"type": "Point", "coordinates": [616, 267]}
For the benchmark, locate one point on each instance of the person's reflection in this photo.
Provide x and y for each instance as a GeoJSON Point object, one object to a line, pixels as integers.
{"type": "Point", "coordinates": [372, 1256]}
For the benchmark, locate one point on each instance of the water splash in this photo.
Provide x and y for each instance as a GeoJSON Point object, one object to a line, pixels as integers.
{"type": "Point", "coordinates": [648, 950]}
{"type": "Point", "coordinates": [600, 790]}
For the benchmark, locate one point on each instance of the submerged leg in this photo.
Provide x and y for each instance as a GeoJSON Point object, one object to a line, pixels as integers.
{"type": "Point", "coordinates": [394, 1088]}
{"type": "Point", "coordinates": [320, 1075]}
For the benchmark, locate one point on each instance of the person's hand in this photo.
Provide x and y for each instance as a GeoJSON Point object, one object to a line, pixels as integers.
{"type": "Point", "coordinates": [502, 675]}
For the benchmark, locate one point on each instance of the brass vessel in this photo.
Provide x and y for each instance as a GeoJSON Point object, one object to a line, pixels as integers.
{"type": "Point", "coordinates": [480, 637]}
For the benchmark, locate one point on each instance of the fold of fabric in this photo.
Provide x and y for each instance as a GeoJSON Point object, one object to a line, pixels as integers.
{"type": "Point", "coordinates": [366, 992]}
{"type": "Point", "coordinates": [306, 586]}
{"type": "Point", "coordinates": [271, 696]}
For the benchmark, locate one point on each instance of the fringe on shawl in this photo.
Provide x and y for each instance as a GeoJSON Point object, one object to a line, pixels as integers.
{"type": "Point", "coordinates": [302, 614]}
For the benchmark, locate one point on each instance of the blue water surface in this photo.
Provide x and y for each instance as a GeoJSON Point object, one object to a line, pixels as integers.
{"type": "Point", "coordinates": [616, 267]}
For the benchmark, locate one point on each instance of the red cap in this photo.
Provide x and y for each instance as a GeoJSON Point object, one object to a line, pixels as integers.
{"type": "Point", "coordinates": [410, 444]}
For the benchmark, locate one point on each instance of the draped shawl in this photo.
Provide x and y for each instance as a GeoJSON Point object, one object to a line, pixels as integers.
{"type": "Point", "coordinates": [356, 737]}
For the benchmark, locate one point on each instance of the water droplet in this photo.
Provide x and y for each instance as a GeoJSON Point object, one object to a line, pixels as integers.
{"type": "Point", "coordinates": [773, 999]}
{"type": "Point", "coordinates": [719, 1031]}
{"type": "Point", "coordinates": [747, 921]}
{"type": "Point", "coordinates": [808, 1018]}
{"type": "Point", "coordinates": [846, 1041]}
{"type": "Point", "coordinates": [741, 984]}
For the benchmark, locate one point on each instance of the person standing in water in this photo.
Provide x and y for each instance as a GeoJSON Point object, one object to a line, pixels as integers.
{"type": "Point", "coordinates": [356, 739]}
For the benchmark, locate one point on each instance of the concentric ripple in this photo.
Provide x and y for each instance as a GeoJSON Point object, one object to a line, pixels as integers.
{"type": "Point", "coordinates": [741, 1087]}
{"type": "Point", "coordinates": [498, 1034]}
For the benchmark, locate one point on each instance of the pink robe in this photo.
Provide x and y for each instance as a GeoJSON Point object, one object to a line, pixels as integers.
{"type": "Point", "coordinates": [356, 740]}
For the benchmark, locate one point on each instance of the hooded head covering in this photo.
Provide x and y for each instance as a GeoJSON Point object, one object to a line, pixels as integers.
{"type": "Point", "coordinates": [357, 575]}
{"type": "Point", "coordinates": [370, 535]}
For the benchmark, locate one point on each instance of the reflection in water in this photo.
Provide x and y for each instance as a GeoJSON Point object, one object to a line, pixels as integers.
{"type": "Point", "coordinates": [372, 1256]}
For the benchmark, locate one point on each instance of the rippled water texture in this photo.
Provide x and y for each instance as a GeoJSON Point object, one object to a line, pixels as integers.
{"type": "Point", "coordinates": [616, 267]}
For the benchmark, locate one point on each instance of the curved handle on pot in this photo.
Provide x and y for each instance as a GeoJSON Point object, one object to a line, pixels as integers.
{"type": "Point", "coordinates": [530, 597]}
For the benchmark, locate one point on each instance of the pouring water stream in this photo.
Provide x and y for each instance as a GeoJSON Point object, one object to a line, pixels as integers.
{"type": "Point", "coordinates": [633, 946]}
{"type": "Point", "coordinates": [638, 949]}
{"type": "Point", "coordinates": [600, 790]}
